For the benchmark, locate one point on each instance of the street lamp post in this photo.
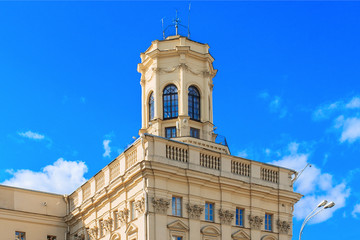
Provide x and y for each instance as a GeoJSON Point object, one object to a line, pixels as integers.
{"type": "Point", "coordinates": [322, 205]}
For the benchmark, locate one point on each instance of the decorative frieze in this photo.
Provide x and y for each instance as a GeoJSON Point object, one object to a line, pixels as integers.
{"type": "Point", "coordinates": [226, 217]}
{"type": "Point", "coordinates": [140, 206]}
{"type": "Point", "coordinates": [123, 215]}
{"type": "Point", "coordinates": [283, 226]}
{"type": "Point", "coordinates": [160, 205]}
{"type": "Point", "coordinates": [194, 210]}
{"type": "Point", "coordinates": [92, 232]}
{"type": "Point", "coordinates": [255, 222]}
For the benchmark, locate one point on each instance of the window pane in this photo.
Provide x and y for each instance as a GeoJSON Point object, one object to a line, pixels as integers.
{"type": "Point", "coordinates": [194, 103]}
{"type": "Point", "coordinates": [170, 102]}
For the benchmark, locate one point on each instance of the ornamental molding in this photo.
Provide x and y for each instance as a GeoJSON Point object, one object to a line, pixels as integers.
{"type": "Point", "coordinates": [226, 217]}
{"type": "Point", "coordinates": [123, 215]}
{"type": "Point", "coordinates": [140, 206]}
{"type": "Point", "coordinates": [194, 210]}
{"type": "Point", "coordinates": [283, 226]}
{"type": "Point", "coordinates": [161, 205]}
{"type": "Point", "coordinates": [92, 232]}
{"type": "Point", "coordinates": [108, 224]}
{"type": "Point", "coordinates": [183, 66]}
{"type": "Point", "coordinates": [255, 222]}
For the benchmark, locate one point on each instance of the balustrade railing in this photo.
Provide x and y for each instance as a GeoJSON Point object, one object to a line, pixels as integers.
{"type": "Point", "coordinates": [176, 153]}
{"type": "Point", "coordinates": [210, 161]}
{"type": "Point", "coordinates": [240, 168]}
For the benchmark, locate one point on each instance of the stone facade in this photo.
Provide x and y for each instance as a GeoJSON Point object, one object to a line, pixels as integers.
{"type": "Point", "coordinates": [184, 187]}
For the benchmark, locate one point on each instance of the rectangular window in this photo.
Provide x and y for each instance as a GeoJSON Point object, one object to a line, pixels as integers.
{"type": "Point", "coordinates": [194, 132]}
{"type": "Point", "coordinates": [170, 132]}
{"type": "Point", "coordinates": [116, 219]}
{"type": "Point", "coordinates": [132, 209]}
{"type": "Point", "coordinates": [49, 237]}
{"type": "Point", "coordinates": [176, 206]}
{"type": "Point", "coordinates": [268, 222]}
{"type": "Point", "coordinates": [176, 238]}
{"type": "Point", "coordinates": [209, 211]}
{"type": "Point", "coordinates": [20, 236]}
{"type": "Point", "coordinates": [239, 218]}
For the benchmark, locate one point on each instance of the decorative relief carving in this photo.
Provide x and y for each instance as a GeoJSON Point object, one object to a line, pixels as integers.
{"type": "Point", "coordinates": [255, 222]}
{"type": "Point", "coordinates": [226, 216]}
{"type": "Point", "coordinates": [123, 215]}
{"type": "Point", "coordinates": [79, 236]}
{"type": "Point", "coordinates": [161, 205]}
{"type": "Point", "coordinates": [140, 206]}
{"type": "Point", "coordinates": [194, 210]}
{"type": "Point", "coordinates": [92, 232]}
{"type": "Point", "coordinates": [283, 226]}
{"type": "Point", "coordinates": [108, 224]}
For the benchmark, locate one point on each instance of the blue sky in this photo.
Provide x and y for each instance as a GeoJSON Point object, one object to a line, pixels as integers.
{"type": "Point", "coordinates": [287, 91]}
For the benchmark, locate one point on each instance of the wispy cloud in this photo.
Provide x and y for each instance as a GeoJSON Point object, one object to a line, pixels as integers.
{"type": "Point", "coordinates": [314, 184]}
{"type": "Point", "coordinates": [242, 153]}
{"type": "Point", "coordinates": [356, 212]}
{"type": "Point", "coordinates": [345, 115]}
{"type": "Point", "coordinates": [61, 177]}
{"type": "Point", "coordinates": [275, 104]}
{"type": "Point", "coordinates": [106, 148]}
{"type": "Point", "coordinates": [31, 135]}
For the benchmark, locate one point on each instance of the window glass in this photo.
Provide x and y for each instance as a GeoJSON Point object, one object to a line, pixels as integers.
{"type": "Point", "coordinates": [170, 102]}
{"type": "Point", "coordinates": [151, 106]}
{"type": "Point", "coordinates": [176, 238]}
{"type": "Point", "coordinates": [194, 132]}
{"type": "Point", "coordinates": [209, 211]}
{"type": "Point", "coordinates": [20, 236]}
{"type": "Point", "coordinates": [49, 237]}
{"type": "Point", "coordinates": [176, 206]}
{"type": "Point", "coordinates": [239, 221]}
{"type": "Point", "coordinates": [170, 132]}
{"type": "Point", "coordinates": [268, 222]}
{"type": "Point", "coordinates": [194, 103]}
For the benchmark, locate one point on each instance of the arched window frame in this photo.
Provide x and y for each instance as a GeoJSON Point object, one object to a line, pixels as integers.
{"type": "Point", "coordinates": [194, 103]}
{"type": "Point", "coordinates": [170, 102]}
{"type": "Point", "coordinates": [151, 106]}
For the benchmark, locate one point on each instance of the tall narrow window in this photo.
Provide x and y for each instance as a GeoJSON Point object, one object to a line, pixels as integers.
{"type": "Point", "coordinates": [176, 238]}
{"type": "Point", "coordinates": [151, 106]}
{"type": "Point", "coordinates": [170, 101]}
{"type": "Point", "coordinates": [20, 236]}
{"type": "Point", "coordinates": [170, 132]}
{"type": "Point", "coordinates": [268, 222]}
{"type": "Point", "coordinates": [209, 211]}
{"type": "Point", "coordinates": [176, 206]}
{"type": "Point", "coordinates": [239, 221]}
{"type": "Point", "coordinates": [194, 103]}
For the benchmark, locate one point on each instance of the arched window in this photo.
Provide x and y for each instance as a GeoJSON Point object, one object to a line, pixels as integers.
{"type": "Point", "coordinates": [170, 101]}
{"type": "Point", "coordinates": [194, 103]}
{"type": "Point", "coordinates": [151, 106]}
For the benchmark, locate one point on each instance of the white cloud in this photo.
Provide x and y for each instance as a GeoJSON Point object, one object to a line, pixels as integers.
{"type": "Point", "coordinates": [350, 128]}
{"type": "Point", "coordinates": [61, 177]}
{"type": "Point", "coordinates": [31, 135]}
{"type": "Point", "coordinates": [356, 212]}
{"type": "Point", "coordinates": [354, 103]}
{"type": "Point", "coordinates": [275, 104]}
{"type": "Point", "coordinates": [242, 154]}
{"type": "Point", "coordinates": [314, 184]}
{"type": "Point", "coordinates": [106, 148]}
{"type": "Point", "coordinates": [325, 111]}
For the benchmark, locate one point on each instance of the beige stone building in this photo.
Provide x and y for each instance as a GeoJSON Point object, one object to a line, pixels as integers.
{"type": "Point", "coordinates": [177, 181]}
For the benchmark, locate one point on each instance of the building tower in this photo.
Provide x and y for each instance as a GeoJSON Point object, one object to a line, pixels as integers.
{"type": "Point", "coordinates": [174, 182]}
{"type": "Point", "coordinates": [177, 84]}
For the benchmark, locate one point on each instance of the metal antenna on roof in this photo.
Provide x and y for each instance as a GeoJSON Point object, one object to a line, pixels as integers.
{"type": "Point", "coordinates": [176, 22]}
{"type": "Point", "coordinates": [189, 21]}
{"type": "Point", "coordinates": [162, 24]}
